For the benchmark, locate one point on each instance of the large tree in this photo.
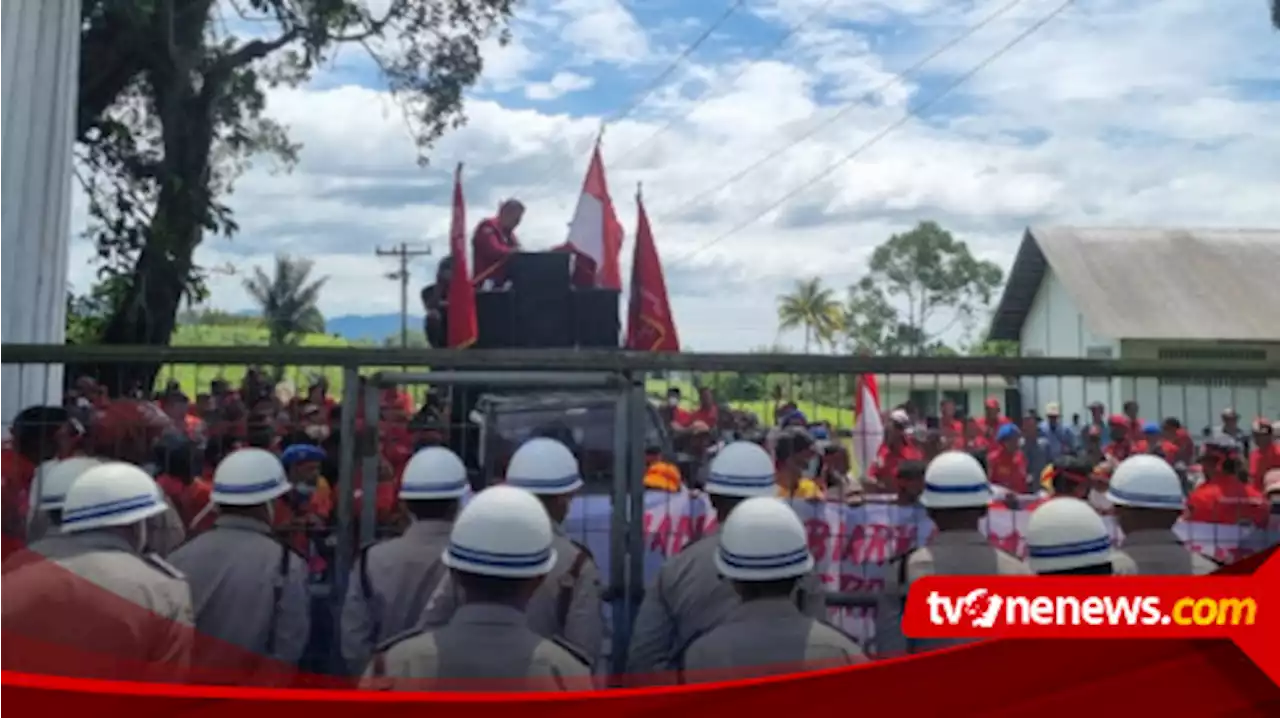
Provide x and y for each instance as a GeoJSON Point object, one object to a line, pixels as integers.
{"type": "Point", "coordinates": [811, 307]}
{"type": "Point", "coordinates": [938, 286]}
{"type": "Point", "coordinates": [171, 110]}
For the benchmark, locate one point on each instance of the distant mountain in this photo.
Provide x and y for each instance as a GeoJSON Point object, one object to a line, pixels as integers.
{"type": "Point", "coordinates": [368, 327]}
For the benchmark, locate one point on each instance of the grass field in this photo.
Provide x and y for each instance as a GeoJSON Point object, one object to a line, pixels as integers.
{"type": "Point", "coordinates": [195, 379]}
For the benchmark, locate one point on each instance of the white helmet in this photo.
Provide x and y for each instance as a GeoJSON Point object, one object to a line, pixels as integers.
{"type": "Point", "coordinates": [56, 477]}
{"type": "Point", "coordinates": [763, 540]}
{"type": "Point", "coordinates": [742, 469]}
{"type": "Point", "coordinates": [1146, 482]}
{"type": "Point", "coordinates": [248, 477]}
{"type": "Point", "coordinates": [434, 473]}
{"type": "Point", "coordinates": [545, 467]}
{"type": "Point", "coordinates": [110, 494]}
{"type": "Point", "coordinates": [955, 480]}
{"type": "Point", "coordinates": [1065, 533]}
{"type": "Point", "coordinates": [502, 532]}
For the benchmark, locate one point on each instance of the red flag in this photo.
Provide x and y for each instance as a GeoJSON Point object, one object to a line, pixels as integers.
{"type": "Point", "coordinates": [650, 326]}
{"type": "Point", "coordinates": [462, 296]}
{"type": "Point", "coordinates": [595, 230]}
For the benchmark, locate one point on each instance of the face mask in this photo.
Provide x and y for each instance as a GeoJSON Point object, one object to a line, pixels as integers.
{"type": "Point", "coordinates": [673, 401]}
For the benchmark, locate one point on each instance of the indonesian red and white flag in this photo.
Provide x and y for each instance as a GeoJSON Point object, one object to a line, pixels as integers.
{"type": "Point", "coordinates": [595, 230]}
{"type": "Point", "coordinates": [868, 430]}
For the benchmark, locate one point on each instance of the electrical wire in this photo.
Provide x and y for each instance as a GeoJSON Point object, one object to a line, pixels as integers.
{"type": "Point", "coordinates": [848, 107]}
{"type": "Point", "coordinates": [662, 76]}
{"type": "Point", "coordinates": [1028, 32]}
{"type": "Point", "coordinates": [742, 70]}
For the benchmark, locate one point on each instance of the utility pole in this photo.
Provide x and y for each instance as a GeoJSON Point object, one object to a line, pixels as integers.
{"type": "Point", "coordinates": [404, 254]}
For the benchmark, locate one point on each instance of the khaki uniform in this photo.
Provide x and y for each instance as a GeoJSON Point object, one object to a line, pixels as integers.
{"type": "Point", "coordinates": [67, 600]}
{"type": "Point", "coordinates": [391, 585]}
{"type": "Point", "coordinates": [249, 589]}
{"type": "Point", "coordinates": [687, 600]}
{"type": "Point", "coordinates": [1161, 553]}
{"type": "Point", "coordinates": [483, 647]}
{"type": "Point", "coordinates": [566, 607]}
{"type": "Point", "coordinates": [764, 637]}
{"type": "Point", "coordinates": [951, 553]}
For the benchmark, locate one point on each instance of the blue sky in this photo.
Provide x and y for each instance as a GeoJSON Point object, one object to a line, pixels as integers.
{"type": "Point", "coordinates": [1117, 112]}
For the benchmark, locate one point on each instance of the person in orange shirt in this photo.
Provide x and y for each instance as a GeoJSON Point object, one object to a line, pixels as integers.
{"type": "Point", "coordinates": [1006, 464]}
{"type": "Point", "coordinates": [1224, 498]}
{"type": "Point", "coordinates": [1266, 452]}
{"type": "Point", "coordinates": [950, 426]}
{"type": "Point", "coordinates": [897, 448]}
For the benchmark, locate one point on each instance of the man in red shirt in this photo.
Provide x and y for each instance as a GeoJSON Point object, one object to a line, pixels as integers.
{"type": "Point", "coordinates": [676, 416]}
{"type": "Point", "coordinates": [950, 427]}
{"type": "Point", "coordinates": [1122, 440]}
{"type": "Point", "coordinates": [707, 411]}
{"type": "Point", "coordinates": [897, 448]}
{"type": "Point", "coordinates": [1132, 421]}
{"type": "Point", "coordinates": [1223, 498]}
{"type": "Point", "coordinates": [1006, 464]}
{"type": "Point", "coordinates": [991, 420]}
{"type": "Point", "coordinates": [1266, 452]}
{"type": "Point", "coordinates": [494, 242]}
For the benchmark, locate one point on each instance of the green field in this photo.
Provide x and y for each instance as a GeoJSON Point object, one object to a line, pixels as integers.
{"type": "Point", "coordinates": [195, 379]}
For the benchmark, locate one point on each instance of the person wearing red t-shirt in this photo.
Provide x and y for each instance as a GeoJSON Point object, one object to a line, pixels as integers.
{"type": "Point", "coordinates": [707, 411]}
{"type": "Point", "coordinates": [1006, 464]}
{"type": "Point", "coordinates": [990, 421]}
{"type": "Point", "coordinates": [494, 242]}
{"type": "Point", "coordinates": [179, 466]}
{"type": "Point", "coordinates": [676, 416]}
{"type": "Point", "coordinates": [950, 427]}
{"type": "Point", "coordinates": [1133, 422]}
{"type": "Point", "coordinates": [35, 431]}
{"type": "Point", "coordinates": [1176, 439]}
{"type": "Point", "coordinates": [1122, 444]}
{"type": "Point", "coordinates": [1223, 498]}
{"type": "Point", "coordinates": [1266, 452]}
{"type": "Point", "coordinates": [897, 448]}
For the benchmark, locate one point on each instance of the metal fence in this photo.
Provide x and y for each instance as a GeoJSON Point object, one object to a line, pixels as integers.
{"type": "Point", "coordinates": [613, 407]}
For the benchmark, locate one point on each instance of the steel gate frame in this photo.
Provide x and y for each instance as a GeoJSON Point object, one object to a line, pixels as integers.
{"type": "Point", "coordinates": [626, 536]}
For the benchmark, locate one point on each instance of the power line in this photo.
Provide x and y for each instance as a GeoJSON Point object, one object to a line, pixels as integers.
{"type": "Point", "coordinates": [698, 198]}
{"type": "Point", "coordinates": [1032, 29]}
{"type": "Point", "coordinates": [662, 76]}
{"type": "Point", "coordinates": [698, 101]}
{"type": "Point", "coordinates": [404, 254]}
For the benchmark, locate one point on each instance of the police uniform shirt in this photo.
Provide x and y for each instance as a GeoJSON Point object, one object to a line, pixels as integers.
{"type": "Point", "coordinates": [763, 637]}
{"type": "Point", "coordinates": [483, 647]}
{"type": "Point", "coordinates": [1161, 553]}
{"type": "Point", "coordinates": [583, 621]}
{"type": "Point", "coordinates": [165, 532]}
{"type": "Point", "coordinates": [688, 599]}
{"type": "Point", "coordinates": [950, 553]}
{"type": "Point", "coordinates": [234, 571]}
{"type": "Point", "coordinates": [62, 595]}
{"type": "Point", "coordinates": [403, 575]}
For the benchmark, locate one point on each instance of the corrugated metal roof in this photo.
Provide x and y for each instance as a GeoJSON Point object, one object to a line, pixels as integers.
{"type": "Point", "coordinates": [1152, 283]}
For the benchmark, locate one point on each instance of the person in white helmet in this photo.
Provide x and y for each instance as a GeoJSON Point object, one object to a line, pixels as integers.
{"type": "Point", "coordinates": [763, 552]}
{"type": "Point", "coordinates": [500, 549]}
{"type": "Point", "coordinates": [249, 588]}
{"type": "Point", "coordinates": [49, 492]}
{"type": "Point", "coordinates": [956, 495]}
{"type": "Point", "coordinates": [394, 581]}
{"type": "Point", "coordinates": [1148, 499]}
{"type": "Point", "coordinates": [689, 597]}
{"type": "Point", "coordinates": [1065, 536]}
{"type": "Point", "coordinates": [567, 604]}
{"type": "Point", "coordinates": [62, 601]}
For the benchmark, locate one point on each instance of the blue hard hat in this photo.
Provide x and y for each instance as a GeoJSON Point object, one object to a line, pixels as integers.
{"type": "Point", "coordinates": [1008, 431]}
{"type": "Point", "coordinates": [301, 452]}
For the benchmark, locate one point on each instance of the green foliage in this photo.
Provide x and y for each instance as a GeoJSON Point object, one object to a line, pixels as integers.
{"type": "Point", "coordinates": [288, 299]}
{"type": "Point", "coordinates": [417, 340]}
{"type": "Point", "coordinates": [813, 308]}
{"type": "Point", "coordinates": [938, 279]}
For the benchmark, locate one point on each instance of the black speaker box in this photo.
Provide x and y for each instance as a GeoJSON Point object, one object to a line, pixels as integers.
{"type": "Point", "coordinates": [533, 271]}
{"type": "Point", "coordinates": [495, 320]}
{"type": "Point", "coordinates": [595, 318]}
{"type": "Point", "coordinates": [544, 317]}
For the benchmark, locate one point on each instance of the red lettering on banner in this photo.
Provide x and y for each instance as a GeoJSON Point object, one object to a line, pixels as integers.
{"type": "Point", "coordinates": [684, 532]}
{"type": "Point", "coordinates": [1009, 543]}
{"type": "Point", "coordinates": [658, 539]}
{"type": "Point", "coordinates": [819, 533]}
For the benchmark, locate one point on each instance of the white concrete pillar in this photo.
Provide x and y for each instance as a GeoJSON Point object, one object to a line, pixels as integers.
{"type": "Point", "coordinates": [41, 53]}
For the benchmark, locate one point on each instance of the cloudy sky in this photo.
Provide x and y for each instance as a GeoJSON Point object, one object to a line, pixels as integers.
{"type": "Point", "coordinates": [1115, 112]}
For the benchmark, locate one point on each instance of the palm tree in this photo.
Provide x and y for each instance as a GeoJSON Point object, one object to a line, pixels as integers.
{"type": "Point", "coordinates": [1275, 13]}
{"type": "Point", "coordinates": [288, 299]}
{"type": "Point", "coordinates": [813, 307]}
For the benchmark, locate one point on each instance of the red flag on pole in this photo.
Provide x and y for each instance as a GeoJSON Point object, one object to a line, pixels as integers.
{"type": "Point", "coordinates": [462, 296]}
{"type": "Point", "coordinates": [595, 230]}
{"type": "Point", "coordinates": [650, 326]}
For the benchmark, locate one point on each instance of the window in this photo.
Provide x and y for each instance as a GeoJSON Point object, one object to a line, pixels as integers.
{"type": "Point", "coordinates": [1213, 354]}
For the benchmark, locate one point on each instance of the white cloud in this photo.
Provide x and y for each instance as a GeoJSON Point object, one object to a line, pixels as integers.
{"type": "Point", "coordinates": [560, 84]}
{"type": "Point", "coordinates": [1112, 114]}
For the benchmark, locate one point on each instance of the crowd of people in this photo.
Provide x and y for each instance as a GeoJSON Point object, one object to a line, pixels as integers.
{"type": "Point", "coordinates": [213, 516]}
